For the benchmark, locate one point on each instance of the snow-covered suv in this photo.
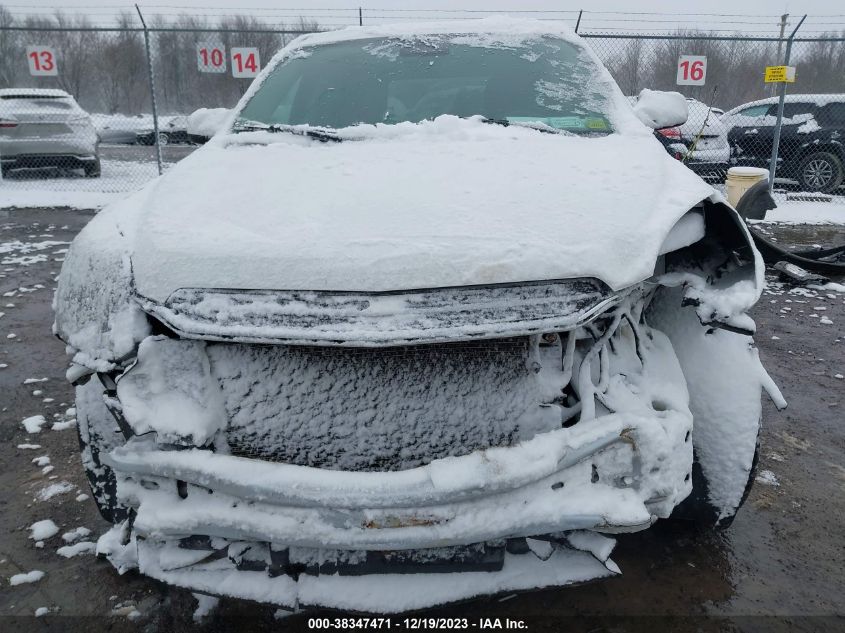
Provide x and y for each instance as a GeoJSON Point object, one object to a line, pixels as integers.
{"type": "Point", "coordinates": [436, 301]}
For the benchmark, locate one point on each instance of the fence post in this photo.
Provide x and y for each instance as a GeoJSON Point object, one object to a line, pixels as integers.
{"type": "Point", "coordinates": [578, 22]}
{"type": "Point", "coordinates": [773, 163]}
{"type": "Point", "coordinates": [360, 17]}
{"type": "Point", "coordinates": [152, 88]}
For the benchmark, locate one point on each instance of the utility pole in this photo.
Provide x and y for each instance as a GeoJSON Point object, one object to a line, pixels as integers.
{"type": "Point", "coordinates": [151, 75]}
{"type": "Point", "coordinates": [780, 45]}
{"type": "Point", "coordinates": [773, 163]}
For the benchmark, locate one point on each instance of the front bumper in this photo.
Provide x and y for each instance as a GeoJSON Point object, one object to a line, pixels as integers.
{"type": "Point", "coordinates": [561, 488]}
{"type": "Point", "coordinates": [611, 478]}
{"type": "Point", "coordinates": [289, 530]}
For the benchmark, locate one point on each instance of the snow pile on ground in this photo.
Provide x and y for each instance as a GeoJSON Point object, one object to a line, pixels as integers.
{"type": "Point", "coordinates": [34, 423]}
{"type": "Point", "coordinates": [21, 253]}
{"type": "Point", "coordinates": [30, 576]}
{"type": "Point", "coordinates": [76, 534]}
{"type": "Point", "coordinates": [83, 547]}
{"type": "Point", "coordinates": [53, 490]}
{"type": "Point", "coordinates": [768, 478]}
{"type": "Point", "coordinates": [806, 212]}
{"type": "Point", "coordinates": [41, 530]}
{"type": "Point", "coordinates": [45, 188]}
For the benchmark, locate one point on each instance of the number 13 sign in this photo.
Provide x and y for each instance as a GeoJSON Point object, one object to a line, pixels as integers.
{"type": "Point", "coordinates": [42, 61]}
{"type": "Point", "coordinates": [692, 70]}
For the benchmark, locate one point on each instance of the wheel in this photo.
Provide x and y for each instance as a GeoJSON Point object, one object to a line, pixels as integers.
{"type": "Point", "coordinates": [820, 171]}
{"type": "Point", "coordinates": [92, 170]}
{"type": "Point", "coordinates": [163, 138]}
{"type": "Point", "coordinates": [98, 433]}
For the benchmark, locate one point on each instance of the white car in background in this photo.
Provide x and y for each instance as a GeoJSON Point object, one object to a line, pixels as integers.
{"type": "Point", "coordinates": [702, 141]}
{"type": "Point", "coordinates": [433, 318]}
{"type": "Point", "coordinates": [46, 129]}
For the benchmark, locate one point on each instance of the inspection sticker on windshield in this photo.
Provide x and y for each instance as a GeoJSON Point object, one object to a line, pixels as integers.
{"type": "Point", "coordinates": [563, 122]}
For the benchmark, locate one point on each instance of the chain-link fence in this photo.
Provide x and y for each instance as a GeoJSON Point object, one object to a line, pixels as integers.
{"type": "Point", "coordinates": [733, 112]}
{"type": "Point", "coordinates": [101, 110]}
{"type": "Point", "coordinates": [94, 112]}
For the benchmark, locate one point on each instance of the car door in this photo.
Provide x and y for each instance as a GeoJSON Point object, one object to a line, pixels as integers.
{"type": "Point", "coordinates": [744, 130]}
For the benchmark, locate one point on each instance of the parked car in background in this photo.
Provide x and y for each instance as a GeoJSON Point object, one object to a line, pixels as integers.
{"type": "Point", "coordinates": [46, 128]}
{"type": "Point", "coordinates": [206, 122]}
{"type": "Point", "coordinates": [432, 317]}
{"type": "Point", "coordinates": [701, 143]}
{"type": "Point", "coordinates": [811, 149]}
{"type": "Point", "coordinates": [173, 130]}
{"type": "Point", "coordinates": [118, 129]}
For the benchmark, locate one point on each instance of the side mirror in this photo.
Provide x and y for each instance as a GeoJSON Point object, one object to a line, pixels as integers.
{"type": "Point", "coordinates": [661, 109]}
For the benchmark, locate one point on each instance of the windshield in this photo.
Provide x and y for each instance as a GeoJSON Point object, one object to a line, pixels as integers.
{"type": "Point", "coordinates": [389, 80]}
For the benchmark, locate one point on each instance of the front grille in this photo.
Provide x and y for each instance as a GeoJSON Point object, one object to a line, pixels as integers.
{"type": "Point", "coordinates": [379, 409]}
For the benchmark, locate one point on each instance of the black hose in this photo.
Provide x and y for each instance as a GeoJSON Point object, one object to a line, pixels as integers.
{"type": "Point", "coordinates": [772, 254]}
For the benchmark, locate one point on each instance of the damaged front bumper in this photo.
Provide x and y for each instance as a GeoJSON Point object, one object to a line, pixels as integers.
{"type": "Point", "coordinates": [298, 536]}
{"type": "Point", "coordinates": [521, 504]}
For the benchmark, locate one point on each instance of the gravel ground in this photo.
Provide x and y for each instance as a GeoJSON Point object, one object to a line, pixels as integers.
{"type": "Point", "coordinates": [779, 567]}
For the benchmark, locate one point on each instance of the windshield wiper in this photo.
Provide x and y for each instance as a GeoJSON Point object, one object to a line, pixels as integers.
{"type": "Point", "coordinates": [316, 133]}
{"type": "Point", "coordinates": [535, 126]}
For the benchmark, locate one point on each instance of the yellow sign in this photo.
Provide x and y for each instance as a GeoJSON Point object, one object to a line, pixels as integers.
{"type": "Point", "coordinates": [780, 74]}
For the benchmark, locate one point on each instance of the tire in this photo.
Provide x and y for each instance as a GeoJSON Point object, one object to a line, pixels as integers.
{"type": "Point", "coordinates": [820, 171]}
{"type": "Point", "coordinates": [98, 434]}
{"type": "Point", "coordinates": [92, 170]}
{"type": "Point", "coordinates": [163, 138]}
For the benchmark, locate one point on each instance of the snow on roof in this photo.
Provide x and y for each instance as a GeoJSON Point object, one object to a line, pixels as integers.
{"type": "Point", "coordinates": [515, 29]}
{"type": "Point", "coordinates": [818, 99]}
{"type": "Point", "coordinates": [7, 93]}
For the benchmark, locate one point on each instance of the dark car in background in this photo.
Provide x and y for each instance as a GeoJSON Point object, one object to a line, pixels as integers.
{"type": "Point", "coordinates": [811, 149]}
{"type": "Point", "coordinates": [172, 131]}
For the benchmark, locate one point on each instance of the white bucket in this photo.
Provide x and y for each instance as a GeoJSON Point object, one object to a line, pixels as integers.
{"type": "Point", "coordinates": [741, 179]}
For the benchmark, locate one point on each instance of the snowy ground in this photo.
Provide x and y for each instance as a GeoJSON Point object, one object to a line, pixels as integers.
{"type": "Point", "coordinates": [808, 212]}
{"type": "Point", "coordinates": [125, 169]}
{"type": "Point", "coordinates": [783, 555]}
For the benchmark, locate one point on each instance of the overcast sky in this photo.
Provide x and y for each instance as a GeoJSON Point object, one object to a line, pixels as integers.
{"type": "Point", "coordinates": [663, 6]}
{"type": "Point", "coordinates": [708, 14]}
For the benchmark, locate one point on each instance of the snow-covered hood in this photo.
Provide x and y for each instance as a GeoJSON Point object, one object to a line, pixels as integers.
{"type": "Point", "coordinates": [450, 202]}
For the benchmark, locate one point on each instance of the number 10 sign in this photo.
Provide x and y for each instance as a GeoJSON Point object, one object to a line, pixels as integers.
{"type": "Point", "coordinates": [692, 70]}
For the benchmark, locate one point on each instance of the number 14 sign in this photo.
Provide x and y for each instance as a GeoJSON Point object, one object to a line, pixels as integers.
{"type": "Point", "coordinates": [245, 62]}
{"type": "Point", "coordinates": [692, 70]}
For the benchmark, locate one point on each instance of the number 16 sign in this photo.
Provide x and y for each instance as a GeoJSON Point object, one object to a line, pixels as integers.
{"type": "Point", "coordinates": [692, 70]}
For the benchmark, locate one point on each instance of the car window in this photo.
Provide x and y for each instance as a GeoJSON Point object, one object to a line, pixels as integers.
{"type": "Point", "coordinates": [758, 110]}
{"type": "Point", "coordinates": [832, 114]}
{"type": "Point", "coordinates": [391, 80]}
{"type": "Point", "coordinates": [792, 109]}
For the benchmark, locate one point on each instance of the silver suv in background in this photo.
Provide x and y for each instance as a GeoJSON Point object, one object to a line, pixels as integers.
{"type": "Point", "coordinates": [42, 128]}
